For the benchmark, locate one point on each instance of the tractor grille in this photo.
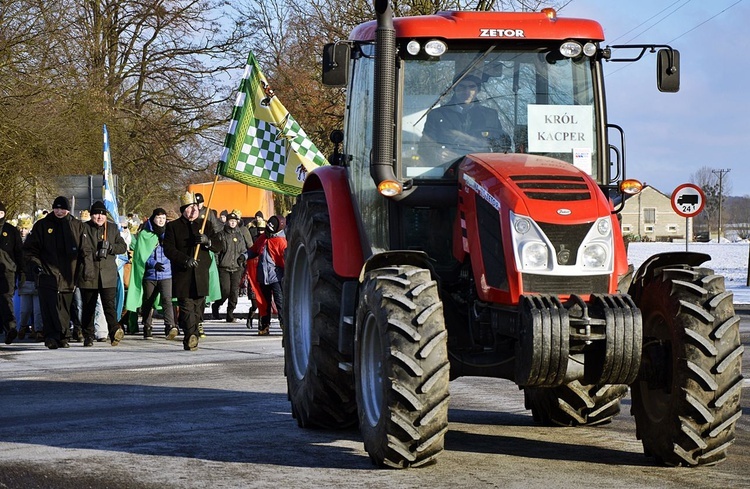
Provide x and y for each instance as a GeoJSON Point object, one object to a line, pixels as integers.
{"type": "Point", "coordinates": [565, 238]}
{"type": "Point", "coordinates": [552, 187]}
{"type": "Point", "coordinates": [548, 284]}
{"type": "Point", "coordinates": [491, 241]}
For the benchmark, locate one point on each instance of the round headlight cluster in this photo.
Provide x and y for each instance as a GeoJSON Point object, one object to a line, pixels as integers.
{"type": "Point", "coordinates": [535, 255]}
{"type": "Point", "coordinates": [595, 256]}
{"type": "Point", "coordinates": [522, 226]}
{"type": "Point", "coordinates": [603, 226]}
{"type": "Point", "coordinates": [573, 49]}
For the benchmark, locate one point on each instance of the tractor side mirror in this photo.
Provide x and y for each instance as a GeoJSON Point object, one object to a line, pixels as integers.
{"type": "Point", "coordinates": [668, 70]}
{"type": "Point", "coordinates": [336, 64]}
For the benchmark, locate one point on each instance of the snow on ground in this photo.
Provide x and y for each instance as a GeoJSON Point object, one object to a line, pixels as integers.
{"type": "Point", "coordinates": [727, 259]}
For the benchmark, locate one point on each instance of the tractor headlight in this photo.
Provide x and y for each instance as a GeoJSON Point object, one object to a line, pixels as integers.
{"type": "Point", "coordinates": [604, 226]}
{"type": "Point", "coordinates": [535, 255]}
{"type": "Point", "coordinates": [595, 256]}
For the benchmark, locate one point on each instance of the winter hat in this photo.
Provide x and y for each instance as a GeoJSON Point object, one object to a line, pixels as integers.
{"type": "Point", "coordinates": [224, 213]}
{"type": "Point", "coordinates": [98, 207]}
{"type": "Point", "coordinates": [275, 224]}
{"type": "Point", "coordinates": [198, 198]}
{"type": "Point", "coordinates": [259, 214]}
{"type": "Point", "coordinates": [233, 216]}
{"type": "Point", "coordinates": [158, 212]}
{"type": "Point", "coordinates": [61, 202]}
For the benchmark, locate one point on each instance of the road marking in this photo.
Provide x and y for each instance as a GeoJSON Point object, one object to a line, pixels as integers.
{"type": "Point", "coordinates": [172, 367]}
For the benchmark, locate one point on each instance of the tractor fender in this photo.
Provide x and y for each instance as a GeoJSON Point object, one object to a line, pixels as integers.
{"type": "Point", "coordinates": [345, 238]}
{"type": "Point", "coordinates": [398, 257]}
{"type": "Point", "coordinates": [647, 270]}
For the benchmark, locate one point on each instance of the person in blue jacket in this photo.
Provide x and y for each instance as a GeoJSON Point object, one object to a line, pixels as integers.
{"type": "Point", "coordinates": [151, 275]}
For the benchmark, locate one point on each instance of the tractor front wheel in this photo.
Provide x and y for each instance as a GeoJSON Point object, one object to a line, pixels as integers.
{"type": "Point", "coordinates": [401, 367]}
{"type": "Point", "coordinates": [686, 399]}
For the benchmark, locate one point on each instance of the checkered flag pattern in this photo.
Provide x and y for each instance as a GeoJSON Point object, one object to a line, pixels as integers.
{"type": "Point", "coordinates": [261, 135]}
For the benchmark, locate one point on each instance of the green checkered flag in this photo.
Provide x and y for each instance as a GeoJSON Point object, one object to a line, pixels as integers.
{"type": "Point", "coordinates": [265, 147]}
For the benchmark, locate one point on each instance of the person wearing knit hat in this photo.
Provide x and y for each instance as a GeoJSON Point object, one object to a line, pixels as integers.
{"type": "Point", "coordinates": [12, 266]}
{"type": "Point", "coordinates": [57, 249]}
{"type": "Point", "coordinates": [462, 125]}
{"type": "Point", "coordinates": [223, 216]}
{"type": "Point", "coordinates": [151, 276]}
{"type": "Point", "coordinates": [61, 202]}
{"type": "Point", "coordinates": [270, 248]}
{"type": "Point", "coordinates": [106, 243]}
{"type": "Point", "coordinates": [236, 241]}
{"type": "Point", "coordinates": [189, 252]}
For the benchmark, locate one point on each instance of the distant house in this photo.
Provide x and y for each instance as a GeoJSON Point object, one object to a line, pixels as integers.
{"type": "Point", "coordinates": [650, 217]}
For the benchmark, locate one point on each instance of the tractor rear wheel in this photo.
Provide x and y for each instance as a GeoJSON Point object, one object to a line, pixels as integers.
{"type": "Point", "coordinates": [574, 404]}
{"type": "Point", "coordinates": [322, 394]}
{"type": "Point", "coordinates": [401, 367]}
{"type": "Point", "coordinates": [686, 399]}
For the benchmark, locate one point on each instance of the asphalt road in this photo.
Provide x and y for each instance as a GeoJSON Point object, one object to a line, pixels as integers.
{"type": "Point", "coordinates": [147, 414]}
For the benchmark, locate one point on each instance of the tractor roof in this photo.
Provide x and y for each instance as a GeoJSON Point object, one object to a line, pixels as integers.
{"type": "Point", "coordinates": [487, 25]}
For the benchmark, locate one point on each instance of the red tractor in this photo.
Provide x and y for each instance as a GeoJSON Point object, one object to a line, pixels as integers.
{"type": "Point", "coordinates": [426, 253]}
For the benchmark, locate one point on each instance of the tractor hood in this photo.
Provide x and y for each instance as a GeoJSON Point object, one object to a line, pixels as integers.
{"type": "Point", "coordinates": [545, 189]}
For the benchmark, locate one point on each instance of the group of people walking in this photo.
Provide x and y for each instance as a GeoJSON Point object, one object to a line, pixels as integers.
{"type": "Point", "coordinates": [175, 266]}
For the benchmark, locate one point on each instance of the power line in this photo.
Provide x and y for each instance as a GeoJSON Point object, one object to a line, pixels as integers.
{"type": "Point", "coordinates": [678, 37]}
{"type": "Point", "coordinates": [710, 18]}
{"type": "Point", "coordinates": [647, 20]}
{"type": "Point", "coordinates": [659, 22]}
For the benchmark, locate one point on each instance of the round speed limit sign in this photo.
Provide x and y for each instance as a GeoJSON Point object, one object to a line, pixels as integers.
{"type": "Point", "coordinates": [688, 200]}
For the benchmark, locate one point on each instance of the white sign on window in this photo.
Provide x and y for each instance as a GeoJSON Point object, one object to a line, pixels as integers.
{"type": "Point", "coordinates": [560, 128]}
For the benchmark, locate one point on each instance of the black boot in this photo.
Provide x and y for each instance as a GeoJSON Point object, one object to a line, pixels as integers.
{"type": "Point", "coordinates": [148, 333]}
{"type": "Point", "coordinates": [215, 311]}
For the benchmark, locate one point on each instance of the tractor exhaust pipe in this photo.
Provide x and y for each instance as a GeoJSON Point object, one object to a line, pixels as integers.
{"type": "Point", "coordinates": [381, 164]}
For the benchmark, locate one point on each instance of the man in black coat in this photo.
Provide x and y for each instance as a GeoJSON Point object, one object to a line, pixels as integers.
{"type": "Point", "coordinates": [461, 126]}
{"type": "Point", "coordinates": [105, 243]}
{"type": "Point", "coordinates": [12, 267]}
{"type": "Point", "coordinates": [57, 249]}
{"type": "Point", "coordinates": [189, 274]}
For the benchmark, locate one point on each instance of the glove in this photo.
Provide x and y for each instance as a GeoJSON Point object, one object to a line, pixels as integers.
{"type": "Point", "coordinates": [191, 263]}
{"type": "Point", "coordinates": [159, 267]}
{"type": "Point", "coordinates": [241, 260]}
{"type": "Point", "coordinates": [201, 239]}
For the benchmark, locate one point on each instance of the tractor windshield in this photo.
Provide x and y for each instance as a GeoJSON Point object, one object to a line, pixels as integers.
{"type": "Point", "coordinates": [492, 100]}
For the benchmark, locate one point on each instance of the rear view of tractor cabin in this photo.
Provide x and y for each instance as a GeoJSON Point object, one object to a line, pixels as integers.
{"type": "Point", "coordinates": [468, 226]}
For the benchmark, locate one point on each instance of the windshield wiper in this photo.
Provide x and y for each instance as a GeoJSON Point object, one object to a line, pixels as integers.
{"type": "Point", "coordinates": [457, 81]}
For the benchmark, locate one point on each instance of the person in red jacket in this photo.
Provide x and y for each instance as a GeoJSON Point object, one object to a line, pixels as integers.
{"type": "Point", "coordinates": [270, 248]}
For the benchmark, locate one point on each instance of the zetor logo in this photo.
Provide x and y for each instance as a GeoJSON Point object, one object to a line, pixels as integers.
{"type": "Point", "coordinates": [501, 33]}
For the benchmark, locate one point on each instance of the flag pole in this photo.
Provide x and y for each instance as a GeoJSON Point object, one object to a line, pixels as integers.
{"type": "Point", "coordinates": [208, 209]}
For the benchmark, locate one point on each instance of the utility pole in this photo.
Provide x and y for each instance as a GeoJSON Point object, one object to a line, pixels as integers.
{"type": "Point", "coordinates": [721, 174]}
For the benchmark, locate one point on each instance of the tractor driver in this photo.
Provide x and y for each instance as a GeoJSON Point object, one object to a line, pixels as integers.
{"type": "Point", "coordinates": [462, 126]}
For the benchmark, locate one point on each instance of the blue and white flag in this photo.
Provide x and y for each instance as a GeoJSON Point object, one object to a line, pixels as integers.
{"type": "Point", "coordinates": [110, 201]}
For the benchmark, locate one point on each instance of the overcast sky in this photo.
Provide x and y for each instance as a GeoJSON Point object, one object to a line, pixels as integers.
{"type": "Point", "coordinates": [670, 136]}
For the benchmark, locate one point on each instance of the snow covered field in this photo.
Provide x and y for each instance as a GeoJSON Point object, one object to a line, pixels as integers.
{"type": "Point", "coordinates": [728, 259]}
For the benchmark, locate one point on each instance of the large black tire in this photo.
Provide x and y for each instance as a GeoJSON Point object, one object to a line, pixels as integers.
{"type": "Point", "coordinates": [686, 399]}
{"type": "Point", "coordinates": [574, 404]}
{"type": "Point", "coordinates": [401, 367]}
{"type": "Point", "coordinates": [321, 393]}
